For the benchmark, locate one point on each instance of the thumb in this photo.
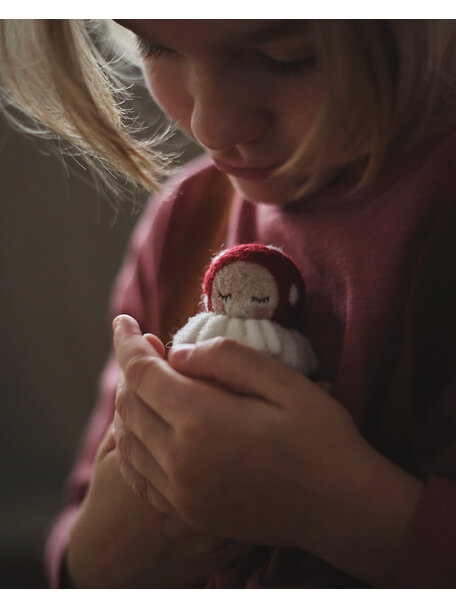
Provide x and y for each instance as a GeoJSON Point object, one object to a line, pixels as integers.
{"type": "Point", "coordinates": [129, 340]}
{"type": "Point", "coordinates": [239, 368]}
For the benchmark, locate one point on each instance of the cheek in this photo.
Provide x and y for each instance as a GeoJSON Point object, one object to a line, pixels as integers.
{"type": "Point", "coordinates": [167, 88]}
{"type": "Point", "coordinates": [299, 103]}
{"type": "Point", "coordinates": [261, 312]}
{"type": "Point", "coordinates": [218, 307]}
{"type": "Point", "coordinates": [302, 99]}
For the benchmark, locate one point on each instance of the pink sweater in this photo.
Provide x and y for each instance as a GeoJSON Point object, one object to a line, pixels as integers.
{"type": "Point", "coordinates": [357, 255]}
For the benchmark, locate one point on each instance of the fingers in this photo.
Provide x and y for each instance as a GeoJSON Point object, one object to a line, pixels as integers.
{"type": "Point", "coordinates": [239, 368]}
{"type": "Point", "coordinates": [142, 488]}
{"type": "Point", "coordinates": [139, 468]}
{"type": "Point", "coordinates": [165, 391]}
{"type": "Point", "coordinates": [137, 356]}
{"type": "Point", "coordinates": [147, 345]}
{"type": "Point", "coordinates": [132, 413]}
{"type": "Point", "coordinates": [130, 449]}
{"type": "Point", "coordinates": [156, 343]}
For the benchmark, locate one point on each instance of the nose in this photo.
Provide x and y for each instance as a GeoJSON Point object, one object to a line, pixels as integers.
{"type": "Point", "coordinates": [225, 114]}
{"type": "Point", "coordinates": [239, 307]}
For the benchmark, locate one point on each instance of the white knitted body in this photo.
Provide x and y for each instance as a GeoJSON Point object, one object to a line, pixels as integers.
{"type": "Point", "coordinates": [287, 345]}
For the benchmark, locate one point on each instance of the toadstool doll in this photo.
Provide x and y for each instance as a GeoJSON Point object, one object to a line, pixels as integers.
{"type": "Point", "coordinates": [254, 294]}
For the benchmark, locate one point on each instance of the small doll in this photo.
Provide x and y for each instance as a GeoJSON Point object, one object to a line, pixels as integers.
{"type": "Point", "coordinates": [254, 294]}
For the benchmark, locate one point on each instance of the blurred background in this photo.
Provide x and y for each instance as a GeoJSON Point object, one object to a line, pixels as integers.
{"type": "Point", "coordinates": [61, 244]}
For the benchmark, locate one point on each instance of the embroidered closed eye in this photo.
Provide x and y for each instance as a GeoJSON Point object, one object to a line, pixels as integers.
{"type": "Point", "coordinates": [224, 297]}
{"type": "Point", "coordinates": [260, 300]}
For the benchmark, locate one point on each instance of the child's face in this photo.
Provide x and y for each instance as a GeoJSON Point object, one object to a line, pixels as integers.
{"type": "Point", "coordinates": [246, 90]}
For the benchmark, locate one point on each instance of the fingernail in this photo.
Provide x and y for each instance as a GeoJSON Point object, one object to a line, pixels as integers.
{"type": "Point", "coordinates": [123, 320]}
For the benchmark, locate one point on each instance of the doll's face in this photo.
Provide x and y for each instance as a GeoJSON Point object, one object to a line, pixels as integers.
{"type": "Point", "coordinates": [244, 290]}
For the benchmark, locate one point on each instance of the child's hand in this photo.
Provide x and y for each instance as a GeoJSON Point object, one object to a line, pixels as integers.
{"type": "Point", "coordinates": [230, 439]}
{"type": "Point", "coordinates": [241, 446]}
{"type": "Point", "coordinates": [119, 540]}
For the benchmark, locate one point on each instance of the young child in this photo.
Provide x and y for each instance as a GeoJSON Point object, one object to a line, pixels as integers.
{"type": "Point", "coordinates": [228, 468]}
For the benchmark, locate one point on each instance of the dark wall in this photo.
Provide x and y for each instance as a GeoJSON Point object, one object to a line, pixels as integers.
{"type": "Point", "coordinates": [61, 245]}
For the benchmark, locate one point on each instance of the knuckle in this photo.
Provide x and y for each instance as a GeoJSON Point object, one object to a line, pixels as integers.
{"type": "Point", "coordinates": [121, 401]}
{"type": "Point", "coordinates": [124, 442]}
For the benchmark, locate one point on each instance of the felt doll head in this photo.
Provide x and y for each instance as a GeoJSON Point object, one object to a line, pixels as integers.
{"type": "Point", "coordinates": [254, 281]}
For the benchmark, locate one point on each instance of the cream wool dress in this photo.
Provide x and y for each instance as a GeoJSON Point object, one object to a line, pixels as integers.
{"type": "Point", "coordinates": [288, 345]}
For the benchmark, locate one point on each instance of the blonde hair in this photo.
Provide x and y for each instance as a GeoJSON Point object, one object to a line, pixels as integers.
{"type": "Point", "coordinates": [53, 73]}
{"type": "Point", "coordinates": [385, 81]}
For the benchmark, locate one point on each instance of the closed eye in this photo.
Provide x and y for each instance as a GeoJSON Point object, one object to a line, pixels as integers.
{"type": "Point", "coordinates": [148, 50]}
{"type": "Point", "coordinates": [260, 300]}
{"type": "Point", "coordinates": [224, 297]}
{"type": "Point", "coordinates": [290, 66]}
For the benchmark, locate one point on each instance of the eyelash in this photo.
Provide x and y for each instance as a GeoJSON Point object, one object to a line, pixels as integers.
{"type": "Point", "coordinates": [148, 51]}
{"type": "Point", "coordinates": [291, 67]}
{"type": "Point", "coordinates": [260, 300]}
{"type": "Point", "coordinates": [225, 297]}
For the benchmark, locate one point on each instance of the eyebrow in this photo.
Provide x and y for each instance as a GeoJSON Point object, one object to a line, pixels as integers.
{"type": "Point", "coordinates": [274, 30]}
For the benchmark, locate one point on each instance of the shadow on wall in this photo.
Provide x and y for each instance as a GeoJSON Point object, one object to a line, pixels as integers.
{"type": "Point", "coordinates": [60, 249]}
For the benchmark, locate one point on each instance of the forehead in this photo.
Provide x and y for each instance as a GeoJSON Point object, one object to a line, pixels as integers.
{"type": "Point", "coordinates": [215, 32]}
{"type": "Point", "coordinates": [243, 273]}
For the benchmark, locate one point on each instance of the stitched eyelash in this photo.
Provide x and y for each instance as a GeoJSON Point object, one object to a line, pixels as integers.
{"type": "Point", "coordinates": [225, 297]}
{"type": "Point", "coordinates": [260, 300]}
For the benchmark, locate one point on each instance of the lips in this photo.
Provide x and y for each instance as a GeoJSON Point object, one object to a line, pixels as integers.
{"type": "Point", "coordinates": [243, 171]}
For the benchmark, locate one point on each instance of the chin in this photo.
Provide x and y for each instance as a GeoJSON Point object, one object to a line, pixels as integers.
{"type": "Point", "coordinates": [274, 191]}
